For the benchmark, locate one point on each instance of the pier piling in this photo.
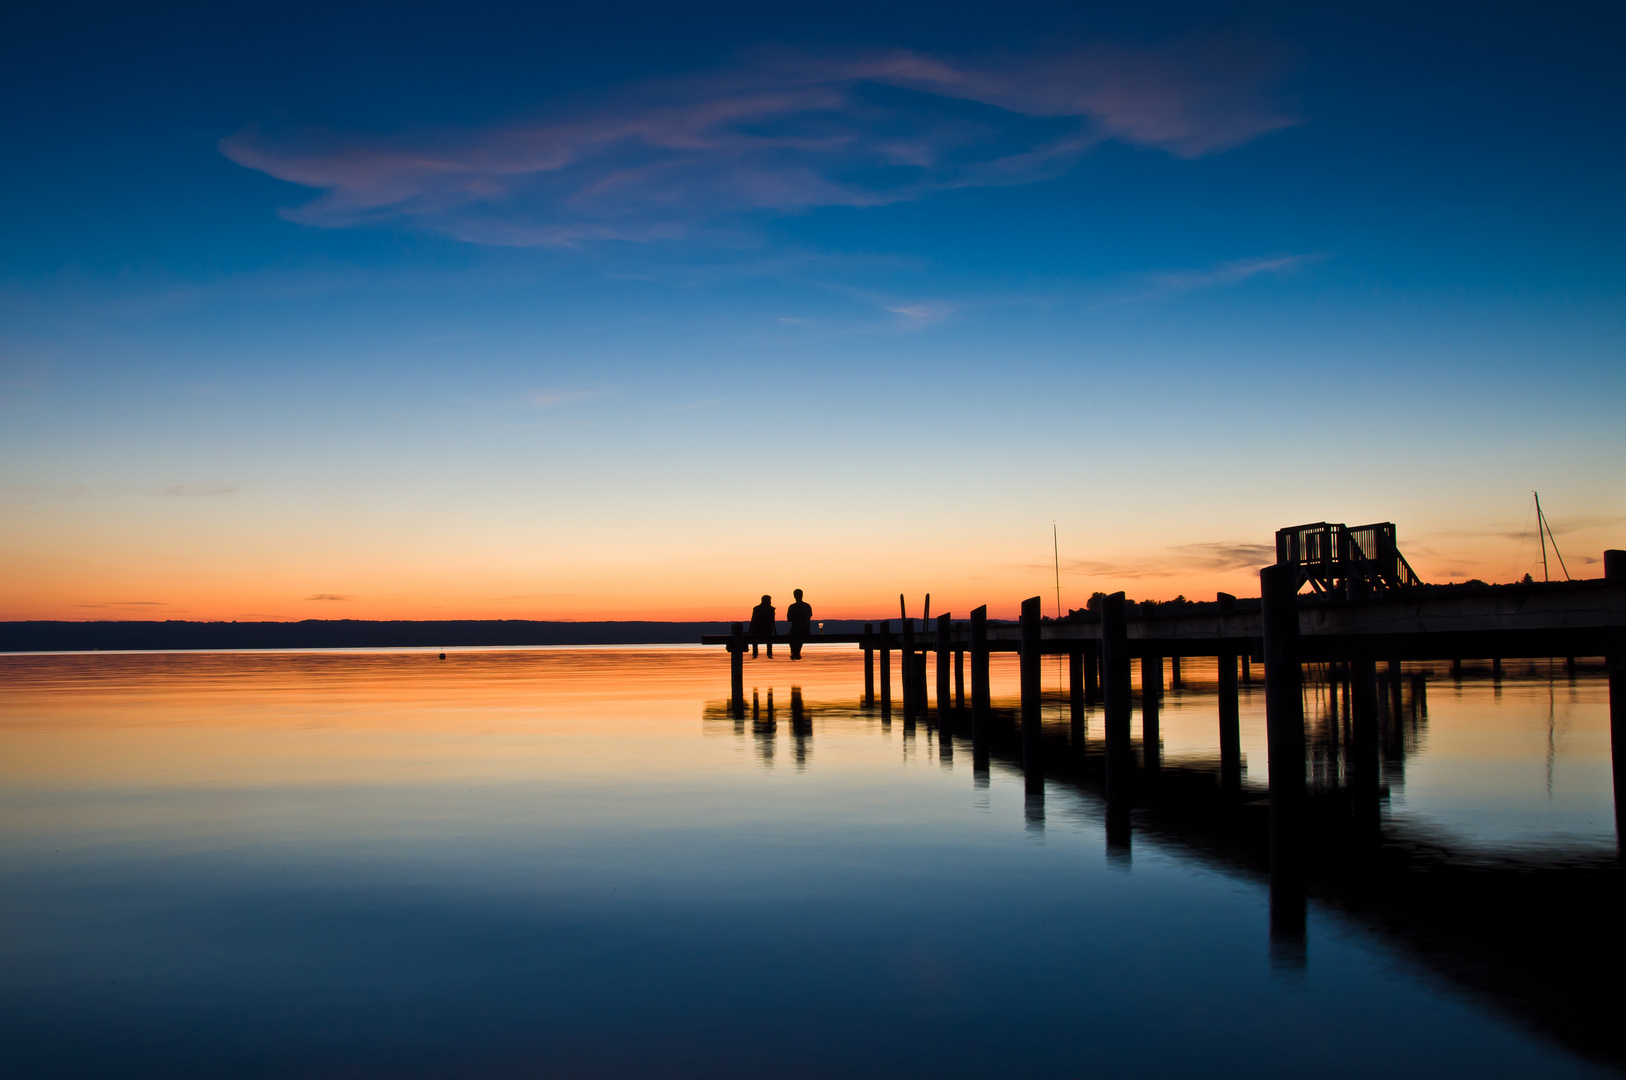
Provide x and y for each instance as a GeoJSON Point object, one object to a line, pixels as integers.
{"type": "Point", "coordinates": [736, 668]}
{"type": "Point", "coordinates": [1115, 698]}
{"type": "Point", "coordinates": [911, 701]}
{"type": "Point", "coordinates": [1614, 567]}
{"type": "Point", "coordinates": [1230, 729]}
{"type": "Point", "coordinates": [1284, 709]}
{"type": "Point", "coordinates": [959, 677]}
{"type": "Point", "coordinates": [980, 701]}
{"type": "Point", "coordinates": [944, 626]}
{"type": "Point", "coordinates": [1151, 693]}
{"type": "Point", "coordinates": [1032, 683]}
{"type": "Point", "coordinates": [886, 669]}
{"type": "Point", "coordinates": [1075, 686]}
{"type": "Point", "coordinates": [869, 665]}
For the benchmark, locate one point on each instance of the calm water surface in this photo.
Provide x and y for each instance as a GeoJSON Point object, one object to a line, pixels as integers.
{"type": "Point", "coordinates": [575, 862]}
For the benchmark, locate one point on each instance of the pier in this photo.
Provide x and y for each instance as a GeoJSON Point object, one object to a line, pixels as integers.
{"type": "Point", "coordinates": [1366, 611]}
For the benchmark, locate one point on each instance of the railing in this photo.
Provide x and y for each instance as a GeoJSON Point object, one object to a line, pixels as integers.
{"type": "Point", "coordinates": [1332, 556]}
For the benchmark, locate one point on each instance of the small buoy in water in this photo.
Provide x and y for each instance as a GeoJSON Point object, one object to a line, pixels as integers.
{"type": "Point", "coordinates": [443, 656]}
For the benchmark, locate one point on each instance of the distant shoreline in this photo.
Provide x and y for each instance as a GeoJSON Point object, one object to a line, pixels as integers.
{"type": "Point", "coordinates": [54, 636]}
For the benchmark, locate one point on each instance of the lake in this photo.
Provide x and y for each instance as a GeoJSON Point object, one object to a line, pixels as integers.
{"type": "Point", "coordinates": [577, 862]}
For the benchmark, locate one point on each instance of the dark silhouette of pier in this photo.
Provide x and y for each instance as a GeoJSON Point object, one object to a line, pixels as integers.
{"type": "Point", "coordinates": [1529, 937]}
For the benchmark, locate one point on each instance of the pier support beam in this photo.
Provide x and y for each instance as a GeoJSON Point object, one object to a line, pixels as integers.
{"type": "Point", "coordinates": [1115, 707]}
{"type": "Point", "coordinates": [1075, 686]}
{"type": "Point", "coordinates": [1092, 673]}
{"type": "Point", "coordinates": [980, 700]}
{"type": "Point", "coordinates": [911, 699]}
{"type": "Point", "coordinates": [886, 669]}
{"type": "Point", "coordinates": [1032, 684]}
{"type": "Point", "coordinates": [1151, 696]}
{"type": "Point", "coordinates": [944, 626]}
{"type": "Point", "coordinates": [1174, 674]}
{"type": "Point", "coordinates": [1230, 727]}
{"type": "Point", "coordinates": [736, 669]}
{"type": "Point", "coordinates": [869, 665]}
{"type": "Point", "coordinates": [1284, 712]}
{"type": "Point", "coordinates": [906, 664]}
{"type": "Point", "coordinates": [959, 678]}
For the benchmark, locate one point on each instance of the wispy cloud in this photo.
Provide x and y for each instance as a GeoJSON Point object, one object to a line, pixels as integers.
{"type": "Point", "coordinates": [924, 313]}
{"type": "Point", "coordinates": [783, 132]}
{"type": "Point", "coordinates": [328, 596]}
{"type": "Point", "coordinates": [198, 490]}
{"type": "Point", "coordinates": [1214, 556]}
{"type": "Point", "coordinates": [123, 604]}
{"type": "Point", "coordinates": [1158, 285]}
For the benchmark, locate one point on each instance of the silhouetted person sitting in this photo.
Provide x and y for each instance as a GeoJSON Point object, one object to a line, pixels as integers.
{"type": "Point", "coordinates": [762, 626]}
{"type": "Point", "coordinates": [800, 615]}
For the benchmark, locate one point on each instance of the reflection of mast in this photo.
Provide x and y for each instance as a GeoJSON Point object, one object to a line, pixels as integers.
{"type": "Point", "coordinates": [1544, 530]}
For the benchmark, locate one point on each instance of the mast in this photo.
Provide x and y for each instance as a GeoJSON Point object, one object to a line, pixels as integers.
{"type": "Point", "coordinates": [1055, 545]}
{"type": "Point", "coordinates": [1541, 532]}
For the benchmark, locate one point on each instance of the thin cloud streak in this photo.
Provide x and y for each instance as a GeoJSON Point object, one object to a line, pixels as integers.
{"type": "Point", "coordinates": [782, 133]}
{"type": "Point", "coordinates": [1216, 277]}
{"type": "Point", "coordinates": [1211, 557]}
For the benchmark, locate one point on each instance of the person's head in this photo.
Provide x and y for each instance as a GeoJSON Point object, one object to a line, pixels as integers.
{"type": "Point", "coordinates": [766, 599]}
{"type": "Point", "coordinates": [798, 594]}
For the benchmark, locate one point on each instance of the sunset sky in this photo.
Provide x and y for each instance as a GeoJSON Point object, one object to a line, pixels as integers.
{"type": "Point", "coordinates": [640, 311]}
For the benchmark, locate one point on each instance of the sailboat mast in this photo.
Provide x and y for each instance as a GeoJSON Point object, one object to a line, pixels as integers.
{"type": "Point", "coordinates": [1541, 531]}
{"type": "Point", "coordinates": [1055, 544]}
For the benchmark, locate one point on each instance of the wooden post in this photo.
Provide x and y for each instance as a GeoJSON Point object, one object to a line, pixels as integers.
{"type": "Point", "coordinates": [920, 672]}
{"type": "Point", "coordinates": [736, 668]}
{"type": "Point", "coordinates": [1456, 670]}
{"type": "Point", "coordinates": [1075, 685]}
{"type": "Point", "coordinates": [959, 677]}
{"type": "Point", "coordinates": [1174, 673]}
{"type": "Point", "coordinates": [1284, 708]}
{"type": "Point", "coordinates": [1614, 566]}
{"type": "Point", "coordinates": [1230, 730]}
{"type": "Point", "coordinates": [869, 665]}
{"type": "Point", "coordinates": [943, 628]}
{"type": "Point", "coordinates": [1247, 669]}
{"type": "Point", "coordinates": [1092, 673]}
{"type": "Point", "coordinates": [1032, 683]}
{"type": "Point", "coordinates": [886, 669]}
{"type": "Point", "coordinates": [1496, 668]}
{"type": "Point", "coordinates": [1115, 697]}
{"type": "Point", "coordinates": [910, 704]}
{"type": "Point", "coordinates": [980, 701]}
{"type": "Point", "coordinates": [1151, 694]}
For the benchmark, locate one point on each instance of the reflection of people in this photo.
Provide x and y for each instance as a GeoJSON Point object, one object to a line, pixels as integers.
{"type": "Point", "coordinates": [800, 615]}
{"type": "Point", "coordinates": [762, 626]}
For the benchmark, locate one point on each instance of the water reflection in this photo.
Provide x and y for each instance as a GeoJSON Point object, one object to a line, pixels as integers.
{"type": "Point", "coordinates": [379, 864]}
{"type": "Point", "coordinates": [1520, 925]}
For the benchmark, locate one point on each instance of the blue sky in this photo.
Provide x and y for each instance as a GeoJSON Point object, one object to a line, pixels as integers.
{"type": "Point", "coordinates": [625, 309]}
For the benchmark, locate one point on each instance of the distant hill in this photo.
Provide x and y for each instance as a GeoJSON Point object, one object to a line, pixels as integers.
{"type": "Point", "coordinates": [46, 636]}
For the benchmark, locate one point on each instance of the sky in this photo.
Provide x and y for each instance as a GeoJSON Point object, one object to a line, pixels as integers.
{"type": "Point", "coordinates": [642, 311]}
